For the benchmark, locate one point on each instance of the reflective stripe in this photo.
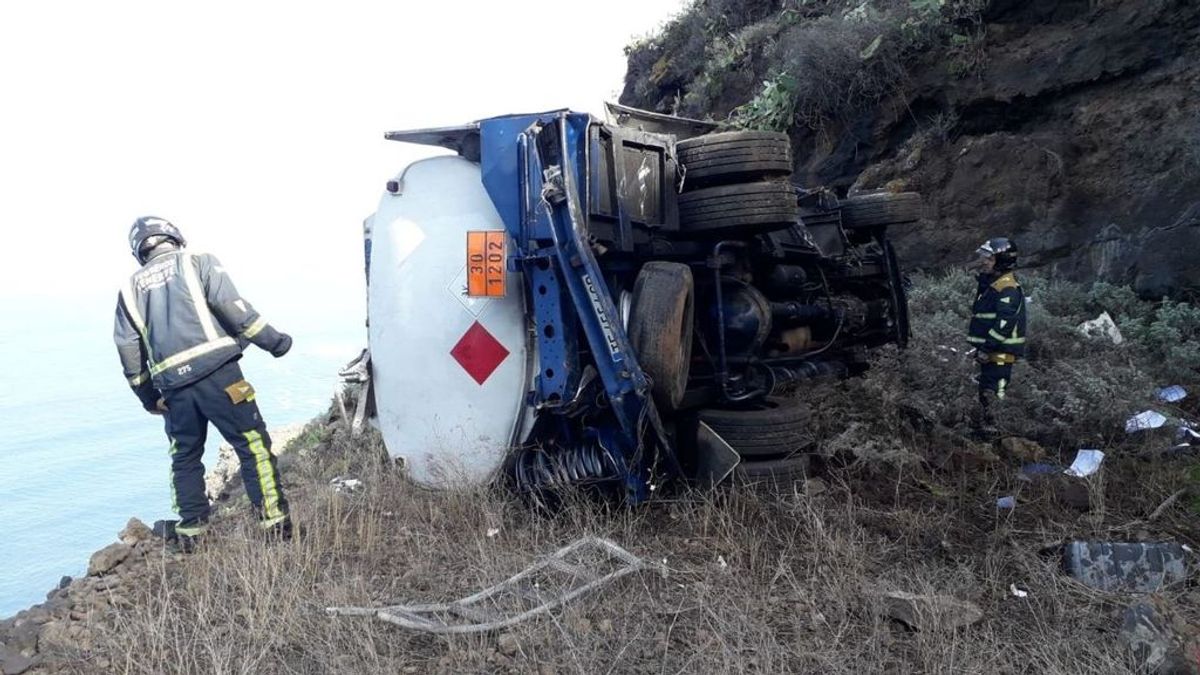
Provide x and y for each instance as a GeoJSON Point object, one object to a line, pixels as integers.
{"type": "Point", "coordinates": [271, 522]}
{"type": "Point", "coordinates": [198, 297]}
{"type": "Point", "coordinates": [139, 379]}
{"type": "Point", "coordinates": [266, 475]}
{"type": "Point", "coordinates": [174, 494]}
{"type": "Point", "coordinates": [986, 315]}
{"type": "Point", "coordinates": [975, 340]}
{"type": "Point", "coordinates": [135, 314]}
{"type": "Point", "coordinates": [190, 531]}
{"type": "Point", "coordinates": [255, 328]}
{"type": "Point", "coordinates": [189, 354]}
{"type": "Point", "coordinates": [1007, 341]}
{"type": "Point", "coordinates": [1000, 388]}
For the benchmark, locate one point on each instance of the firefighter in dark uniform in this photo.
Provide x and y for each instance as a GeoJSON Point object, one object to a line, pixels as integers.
{"type": "Point", "coordinates": [180, 329]}
{"type": "Point", "coordinates": [997, 329]}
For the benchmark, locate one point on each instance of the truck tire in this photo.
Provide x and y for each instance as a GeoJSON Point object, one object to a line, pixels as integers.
{"type": "Point", "coordinates": [745, 208]}
{"type": "Point", "coordinates": [881, 209]}
{"type": "Point", "coordinates": [734, 157]}
{"type": "Point", "coordinates": [661, 326]}
{"type": "Point", "coordinates": [773, 429]}
{"type": "Point", "coordinates": [772, 472]}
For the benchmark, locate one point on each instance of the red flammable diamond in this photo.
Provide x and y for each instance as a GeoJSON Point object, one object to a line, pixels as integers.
{"type": "Point", "coordinates": [479, 353]}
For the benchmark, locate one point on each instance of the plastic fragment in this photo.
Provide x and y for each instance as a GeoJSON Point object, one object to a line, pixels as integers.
{"type": "Point", "coordinates": [1148, 419]}
{"type": "Point", "coordinates": [1172, 394]}
{"type": "Point", "coordinates": [1087, 462]}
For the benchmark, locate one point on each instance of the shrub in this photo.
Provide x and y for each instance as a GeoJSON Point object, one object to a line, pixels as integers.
{"type": "Point", "coordinates": [1070, 390]}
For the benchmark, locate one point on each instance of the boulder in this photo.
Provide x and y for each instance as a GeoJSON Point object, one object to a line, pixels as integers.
{"type": "Point", "coordinates": [930, 612]}
{"type": "Point", "coordinates": [15, 663]}
{"type": "Point", "coordinates": [135, 531]}
{"type": "Point", "coordinates": [107, 558]}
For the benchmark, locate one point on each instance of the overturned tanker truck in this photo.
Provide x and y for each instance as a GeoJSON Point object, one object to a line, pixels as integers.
{"type": "Point", "coordinates": [573, 302]}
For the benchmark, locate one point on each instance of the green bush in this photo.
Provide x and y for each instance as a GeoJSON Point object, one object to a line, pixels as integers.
{"type": "Point", "coordinates": [1071, 390]}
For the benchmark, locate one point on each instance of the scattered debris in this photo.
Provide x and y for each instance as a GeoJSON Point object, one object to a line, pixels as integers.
{"type": "Point", "coordinates": [1087, 462]}
{"type": "Point", "coordinates": [1172, 394]}
{"type": "Point", "coordinates": [345, 484]}
{"type": "Point", "coordinates": [587, 564]}
{"type": "Point", "coordinates": [1018, 593]}
{"type": "Point", "coordinates": [1142, 421]}
{"type": "Point", "coordinates": [1133, 567]}
{"type": "Point", "coordinates": [1022, 449]}
{"type": "Point", "coordinates": [1006, 503]}
{"type": "Point", "coordinates": [1145, 635]}
{"type": "Point", "coordinates": [930, 612]}
{"type": "Point", "coordinates": [1102, 327]}
{"type": "Point", "coordinates": [1152, 637]}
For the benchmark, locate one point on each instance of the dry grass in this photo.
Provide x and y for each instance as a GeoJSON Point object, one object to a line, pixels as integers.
{"type": "Point", "coordinates": [749, 581]}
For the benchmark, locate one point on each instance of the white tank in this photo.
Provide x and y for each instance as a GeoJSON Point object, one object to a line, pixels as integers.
{"type": "Point", "coordinates": [450, 371]}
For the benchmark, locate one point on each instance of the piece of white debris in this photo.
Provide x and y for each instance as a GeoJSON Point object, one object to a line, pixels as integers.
{"type": "Point", "coordinates": [345, 484]}
{"type": "Point", "coordinates": [721, 562]}
{"type": "Point", "coordinates": [493, 531]}
{"type": "Point", "coordinates": [1172, 394]}
{"type": "Point", "coordinates": [1148, 419]}
{"type": "Point", "coordinates": [1006, 503]}
{"type": "Point", "coordinates": [1087, 462]}
{"type": "Point", "coordinates": [1100, 328]}
{"type": "Point", "coordinates": [1017, 592]}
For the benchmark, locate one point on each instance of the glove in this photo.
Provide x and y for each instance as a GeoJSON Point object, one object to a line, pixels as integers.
{"type": "Point", "coordinates": [282, 346]}
{"type": "Point", "coordinates": [982, 356]}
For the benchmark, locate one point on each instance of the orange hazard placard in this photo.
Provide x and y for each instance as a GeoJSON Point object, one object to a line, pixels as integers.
{"type": "Point", "coordinates": [486, 261]}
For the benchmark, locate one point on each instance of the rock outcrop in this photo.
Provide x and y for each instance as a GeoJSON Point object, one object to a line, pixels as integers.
{"type": "Point", "coordinates": [1073, 128]}
{"type": "Point", "coordinates": [46, 637]}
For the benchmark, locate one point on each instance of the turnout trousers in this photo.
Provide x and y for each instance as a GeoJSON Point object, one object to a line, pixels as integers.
{"type": "Point", "coordinates": [224, 398]}
{"type": "Point", "coordinates": [993, 381]}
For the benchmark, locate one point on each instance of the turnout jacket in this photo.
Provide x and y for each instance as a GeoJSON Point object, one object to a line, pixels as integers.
{"type": "Point", "coordinates": [998, 318]}
{"type": "Point", "coordinates": [179, 318]}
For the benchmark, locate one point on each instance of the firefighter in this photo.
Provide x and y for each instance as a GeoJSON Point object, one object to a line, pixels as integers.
{"type": "Point", "coordinates": [180, 329]}
{"type": "Point", "coordinates": [997, 329]}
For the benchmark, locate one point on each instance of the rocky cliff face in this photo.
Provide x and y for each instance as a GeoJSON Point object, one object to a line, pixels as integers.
{"type": "Point", "coordinates": [1070, 125]}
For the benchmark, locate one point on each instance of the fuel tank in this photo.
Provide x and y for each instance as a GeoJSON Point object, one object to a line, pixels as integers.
{"type": "Point", "coordinates": [450, 371]}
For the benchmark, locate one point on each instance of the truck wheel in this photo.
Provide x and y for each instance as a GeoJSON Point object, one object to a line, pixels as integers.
{"type": "Point", "coordinates": [734, 157]}
{"type": "Point", "coordinates": [780, 472]}
{"type": "Point", "coordinates": [745, 208]}
{"type": "Point", "coordinates": [660, 328]}
{"type": "Point", "coordinates": [773, 429]}
{"type": "Point", "coordinates": [881, 208]}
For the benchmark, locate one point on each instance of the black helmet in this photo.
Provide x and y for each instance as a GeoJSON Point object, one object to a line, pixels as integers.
{"type": "Point", "coordinates": [1004, 250]}
{"type": "Point", "coordinates": [148, 227]}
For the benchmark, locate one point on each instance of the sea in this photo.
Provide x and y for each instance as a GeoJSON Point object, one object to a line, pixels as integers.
{"type": "Point", "coordinates": [78, 455]}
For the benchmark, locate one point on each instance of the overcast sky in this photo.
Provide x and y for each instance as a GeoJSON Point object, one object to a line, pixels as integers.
{"type": "Point", "coordinates": [257, 127]}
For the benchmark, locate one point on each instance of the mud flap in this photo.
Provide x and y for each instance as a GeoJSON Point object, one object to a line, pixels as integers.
{"type": "Point", "coordinates": [715, 459]}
